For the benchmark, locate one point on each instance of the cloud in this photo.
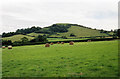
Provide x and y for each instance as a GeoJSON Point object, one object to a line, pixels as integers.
{"type": "Point", "coordinates": [101, 14]}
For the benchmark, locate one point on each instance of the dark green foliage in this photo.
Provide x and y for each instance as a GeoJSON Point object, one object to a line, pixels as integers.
{"type": "Point", "coordinates": [103, 31]}
{"type": "Point", "coordinates": [28, 30]}
{"type": "Point", "coordinates": [118, 33]}
{"type": "Point", "coordinates": [44, 30]}
{"type": "Point", "coordinates": [114, 37]}
{"type": "Point", "coordinates": [6, 42]}
{"type": "Point", "coordinates": [93, 37]}
{"type": "Point", "coordinates": [59, 27]}
{"type": "Point", "coordinates": [64, 37]}
{"type": "Point", "coordinates": [39, 38]}
{"type": "Point", "coordinates": [17, 43]}
{"type": "Point", "coordinates": [72, 35]}
{"type": "Point", "coordinates": [22, 31]}
{"type": "Point", "coordinates": [8, 34]}
{"type": "Point", "coordinates": [24, 39]}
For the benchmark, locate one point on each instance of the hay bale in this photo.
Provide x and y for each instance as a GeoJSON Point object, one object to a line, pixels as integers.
{"type": "Point", "coordinates": [47, 45]}
{"type": "Point", "coordinates": [3, 47]}
{"type": "Point", "coordinates": [9, 47]}
{"type": "Point", "coordinates": [51, 43]}
{"type": "Point", "coordinates": [58, 42]}
{"type": "Point", "coordinates": [62, 42]}
{"type": "Point", "coordinates": [89, 41]}
{"type": "Point", "coordinates": [71, 43]}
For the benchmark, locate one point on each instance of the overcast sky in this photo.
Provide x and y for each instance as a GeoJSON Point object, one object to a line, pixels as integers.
{"type": "Point", "coordinates": [17, 14]}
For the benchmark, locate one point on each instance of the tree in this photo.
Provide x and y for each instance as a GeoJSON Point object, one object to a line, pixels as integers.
{"type": "Point", "coordinates": [118, 33]}
{"type": "Point", "coordinates": [72, 34]}
{"type": "Point", "coordinates": [101, 31]}
{"type": "Point", "coordinates": [39, 38]}
{"type": "Point", "coordinates": [6, 42]}
{"type": "Point", "coordinates": [64, 37]}
{"type": "Point", "coordinates": [24, 39]}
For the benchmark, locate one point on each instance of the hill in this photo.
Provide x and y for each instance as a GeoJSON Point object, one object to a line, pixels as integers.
{"type": "Point", "coordinates": [57, 30]}
{"type": "Point", "coordinates": [80, 32]}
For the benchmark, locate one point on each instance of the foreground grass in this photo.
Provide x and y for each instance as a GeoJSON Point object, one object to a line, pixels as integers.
{"type": "Point", "coordinates": [84, 59]}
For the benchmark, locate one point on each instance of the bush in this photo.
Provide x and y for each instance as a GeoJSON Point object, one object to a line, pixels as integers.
{"type": "Point", "coordinates": [7, 42]}
{"type": "Point", "coordinates": [114, 37]}
{"type": "Point", "coordinates": [64, 37]}
{"type": "Point", "coordinates": [72, 35]}
{"type": "Point", "coordinates": [93, 37]}
{"type": "Point", "coordinates": [24, 39]}
{"type": "Point", "coordinates": [39, 38]}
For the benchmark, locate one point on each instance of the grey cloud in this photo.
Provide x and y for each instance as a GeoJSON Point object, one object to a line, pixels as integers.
{"type": "Point", "coordinates": [25, 13]}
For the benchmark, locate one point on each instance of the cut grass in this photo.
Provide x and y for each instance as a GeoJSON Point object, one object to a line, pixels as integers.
{"type": "Point", "coordinates": [93, 59]}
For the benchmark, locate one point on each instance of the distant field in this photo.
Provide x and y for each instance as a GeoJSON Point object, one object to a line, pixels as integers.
{"type": "Point", "coordinates": [83, 59]}
{"type": "Point", "coordinates": [61, 39]}
{"type": "Point", "coordinates": [17, 37]}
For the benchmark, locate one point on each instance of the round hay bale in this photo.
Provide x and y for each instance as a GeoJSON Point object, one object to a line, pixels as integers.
{"type": "Point", "coordinates": [3, 47]}
{"type": "Point", "coordinates": [62, 42]}
{"type": "Point", "coordinates": [51, 43]}
{"type": "Point", "coordinates": [71, 43]}
{"type": "Point", "coordinates": [89, 40]}
{"type": "Point", "coordinates": [58, 42]}
{"type": "Point", "coordinates": [47, 45]}
{"type": "Point", "coordinates": [9, 47]}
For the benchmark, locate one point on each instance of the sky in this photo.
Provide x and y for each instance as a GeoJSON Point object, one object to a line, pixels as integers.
{"type": "Point", "coordinates": [17, 14]}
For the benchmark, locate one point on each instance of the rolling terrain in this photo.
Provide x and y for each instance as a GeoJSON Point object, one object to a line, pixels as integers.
{"type": "Point", "coordinates": [77, 30]}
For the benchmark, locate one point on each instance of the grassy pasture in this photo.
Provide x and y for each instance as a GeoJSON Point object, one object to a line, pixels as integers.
{"type": "Point", "coordinates": [83, 59]}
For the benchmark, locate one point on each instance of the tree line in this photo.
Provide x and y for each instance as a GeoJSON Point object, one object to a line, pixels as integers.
{"type": "Point", "coordinates": [25, 41]}
{"type": "Point", "coordinates": [46, 30]}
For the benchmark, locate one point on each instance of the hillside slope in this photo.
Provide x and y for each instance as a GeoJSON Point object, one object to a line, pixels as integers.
{"type": "Point", "coordinates": [80, 32]}
{"type": "Point", "coordinates": [60, 30]}
{"type": "Point", "coordinates": [17, 37]}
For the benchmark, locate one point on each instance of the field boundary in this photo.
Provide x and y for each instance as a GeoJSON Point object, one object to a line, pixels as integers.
{"type": "Point", "coordinates": [67, 41]}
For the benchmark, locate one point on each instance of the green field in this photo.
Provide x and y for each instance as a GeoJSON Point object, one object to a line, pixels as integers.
{"type": "Point", "coordinates": [83, 59]}
{"type": "Point", "coordinates": [61, 39]}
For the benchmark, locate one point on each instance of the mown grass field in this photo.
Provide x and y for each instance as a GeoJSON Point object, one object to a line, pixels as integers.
{"type": "Point", "coordinates": [83, 59]}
